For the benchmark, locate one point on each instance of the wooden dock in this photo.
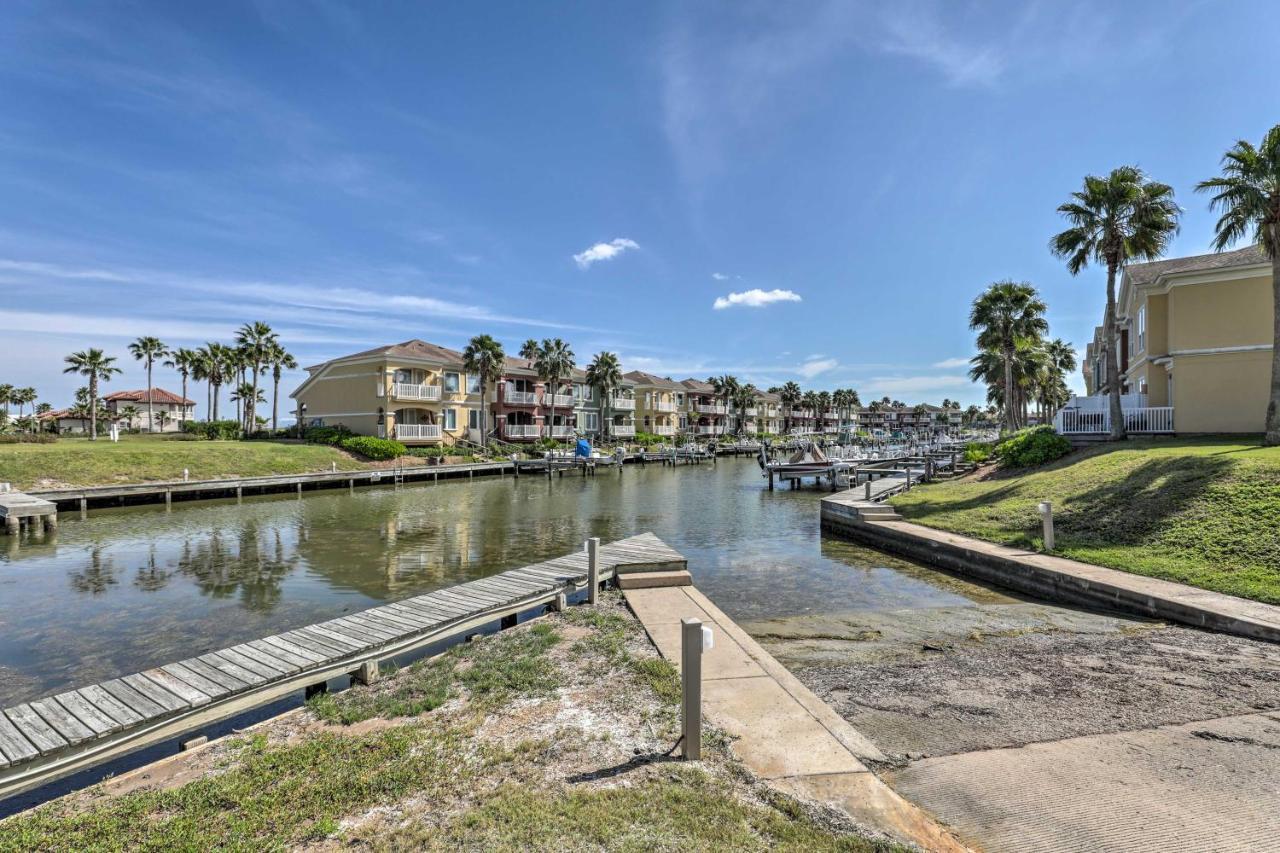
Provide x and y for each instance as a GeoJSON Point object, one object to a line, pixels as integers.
{"type": "Point", "coordinates": [48, 738]}
{"type": "Point", "coordinates": [167, 490]}
{"type": "Point", "coordinates": [17, 508]}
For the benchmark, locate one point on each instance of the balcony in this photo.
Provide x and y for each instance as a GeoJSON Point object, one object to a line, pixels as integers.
{"type": "Point", "coordinates": [406, 391]}
{"type": "Point", "coordinates": [664, 407]}
{"type": "Point", "coordinates": [562, 432]}
{"type": "Point", "coordinates": [560, 401]}
{"type": "Point", "coordinates": [519, 398]}
{"type": "Point", "coordinates": [751, 411]}
{"type": "Point", "coordinates": [624, 404]}
{"type": "Point", "coordinates": [418, 432]}
{"type": "Point", "coordinates": [620, 431]}
{"type": "Point", "coordinates": [1096, 421]}
{"type": "Point", "coordinates": [521, 431]}
{"type": "Point", "coordinates": [714, 429]}
{"type": "Point", "coordinates": [711, 409]}
{"type": "Point", "coordinates": [663, 429]}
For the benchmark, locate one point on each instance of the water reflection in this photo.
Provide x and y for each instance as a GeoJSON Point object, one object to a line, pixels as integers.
{"type": "Point", "coordinates": [135, 587]}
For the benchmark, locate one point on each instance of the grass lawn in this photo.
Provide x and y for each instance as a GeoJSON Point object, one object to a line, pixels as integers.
{"type": "Point", "coordinates": [138, 459]}
{"type": "Point", "coordinates": [1204, 512]}
{"type": "Point", "coordinates": [549, 736]}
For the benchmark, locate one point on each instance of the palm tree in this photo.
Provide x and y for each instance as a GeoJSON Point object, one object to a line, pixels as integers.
{"type": "Point", "coordinates": [529, 350]}
{"type": "Point", "coordinates": [824, 404]}
{"type": "Point", "coordinates": [790, 396]}
{"type": "Point", "coordinates": [280, 361]}
{"type": "Point", "coordinates": [6, 396]}
{"type": "Point", "coordinates": [1061, 357]}
{"type": "Point", "coordinates": [201, 371]}
{"type": "Point", "coordinates": [1248, 194]}
{"type": "Point", "coordinates": [247, 394]}
{"type": "Point", "coordinates": [23, 397]}
{"type": "Point", "coordinates": [553, 363]}
{"type": "Point", "coordinates": [222, 366]}
{"type": "Point", "coordinates": [98, 367]}
{"type": "Point", "coordinates": [147, 349]}
{"type": "Point", "coordinates": [746, 397]}
{"type": "Point", "coordinates": [484, 357]}
{"type": "Point", "coordinates": [1115, 219]}
{"type": "Point", "coordinates": [604, 374]}
{"type": "Point", "coordinates": [256, 341]}
{"type": "Point", "coordinates": [1007, 315]}
{"type": "Point", "coordinates": [810, 402]}
{"type": "Point", "coordinates": [184, 361]}
{"type": "Point", "coordinates": [129, 413]}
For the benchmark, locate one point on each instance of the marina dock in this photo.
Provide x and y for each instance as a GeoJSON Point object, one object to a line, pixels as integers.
{"type": "Point", "coordinates": [17, 509]}
{"type": "Point", "coordinates": [48, 738]}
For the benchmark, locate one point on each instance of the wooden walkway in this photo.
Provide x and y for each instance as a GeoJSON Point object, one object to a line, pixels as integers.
{"type": "Point", "coordinates": [51, 737]}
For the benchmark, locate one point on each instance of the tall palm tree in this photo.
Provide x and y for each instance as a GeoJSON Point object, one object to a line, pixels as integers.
{"type": "Point", "coordinates": [824, 404]}
{"type": "Point", "coordinates": [6, 397]}
{"type": "Point", "coordinates": [810, 402]}
{"type": "Point", "coordinates": [1248, 194]}
{"type": "Point", "coordinates": [529, 350]}
{"type": "Point", "coordinates": [201, 368]}
{"type": "Point", "coordinates": [184, 361]}
{"type": "Point", "coordinates": [484, 357]}
{"type": "Point", "coordinates": [790, 396]}
{"type": "Point", "coordinates": [554, 363]}
{"type": "Point", "coordinates": [23, 397]}
{"type": "Point", "coordinates": [1006, 315]}
{"type": "Point", "coordinates": [97, 367]}
{"type": "Point", "coordinates": [255, 340]}
{"type": "Point", "coordinates": [604, 374]}
{"type": "Point", "coordinates": [129, 413]}
{"type": "Point", "coordinates": [1115, 219]}
{"type": "Point", "coordinates": [146, 350]}
{"type": "Point", "coordinates": [280, 360]}
{"type": "Point", "coordinates": [747, 396]}
{"type": "Point", "coordinates": [219, 367]}
{"type": "Point", "coordinates": [247, 394]}
{"type": "Point", "coordinates": [1062, 363]}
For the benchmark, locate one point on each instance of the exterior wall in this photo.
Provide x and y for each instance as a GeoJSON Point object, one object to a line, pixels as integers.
{"type": "Point", "coordinates": [1223, 314]}
{"type": "Point", "coordinates": [1223, 392]}
{"type": "Point", "coordinates": [648, 417]}
{"type": "Point", "coordinates": [345, 394]}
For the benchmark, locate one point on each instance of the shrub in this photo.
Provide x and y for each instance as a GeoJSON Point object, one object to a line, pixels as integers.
{"type": "Point", "coordinates": [28, 438]}
{"type": "Point", "coordinates": [374, 448]}
{"type": "Point", "coordinates": [647, 439]}
{"type": "Point", "coordinates": [977, 452]}
{"type": "Point", "coordinates": [213, 430]}
{"type": "Point", "coordinates": [1034, 446]}
{"type": "Point", "coordinates": [427, 452]}
{"type": "Point", "coordinates": [330, 435]}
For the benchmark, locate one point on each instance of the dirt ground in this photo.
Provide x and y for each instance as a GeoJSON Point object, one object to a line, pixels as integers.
{"type": "Point", "coordinates": [940, 681]}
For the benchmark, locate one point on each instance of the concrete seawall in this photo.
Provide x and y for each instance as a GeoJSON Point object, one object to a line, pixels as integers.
{"type": "Point", "coordinates": [1049, 577]}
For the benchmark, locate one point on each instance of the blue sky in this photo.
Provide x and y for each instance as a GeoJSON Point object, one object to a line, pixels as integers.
{"type": "Point", "coordinates": [802, 191]}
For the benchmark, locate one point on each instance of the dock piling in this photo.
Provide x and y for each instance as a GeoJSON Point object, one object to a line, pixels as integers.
{"type": "Point", "coordinates": [593, 569]}
{"type": "Point", "coordinates": [368, 673]}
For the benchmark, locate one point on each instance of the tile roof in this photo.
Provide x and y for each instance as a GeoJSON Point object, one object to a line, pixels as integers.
{"type": "Point", "coordinates": [405, 349]}
{"type": "Point", "coordinates": [641, 378]}
{"type": "Point", "coordinates": [699, 386]}
{"type": "Point", "coordinates": [158, 395]}
{"type": "Point", "coordinates": [1149, 272]}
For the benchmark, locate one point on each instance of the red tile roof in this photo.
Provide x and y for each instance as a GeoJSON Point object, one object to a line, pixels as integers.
{"type": "Point", "coordinates": [158, 395]}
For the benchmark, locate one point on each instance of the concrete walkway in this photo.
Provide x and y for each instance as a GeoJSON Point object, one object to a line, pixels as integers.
{"type": "Point", "coordinates": [782, 731]}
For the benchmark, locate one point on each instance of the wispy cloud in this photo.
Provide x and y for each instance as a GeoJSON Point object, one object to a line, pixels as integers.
{"type": "Point", "coordinates": [755, 298]}
{"type": "Point", "coordinates": [719, 276]}
{"type": "Point", "coordinates": [817, 366]}
{"type": "Point", "coordinates": [604, 252]}
{"type": "Point", "coordinates": [948, 363]}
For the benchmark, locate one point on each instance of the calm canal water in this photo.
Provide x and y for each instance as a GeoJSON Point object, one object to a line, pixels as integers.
{"type": "Point", "coordinates": [130, 588]}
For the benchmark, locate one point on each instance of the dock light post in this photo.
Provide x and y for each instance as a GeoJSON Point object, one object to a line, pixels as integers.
{"type": "Point", "coordinates": [1046, 513]}
{"type": "Point", "coordinates": [695, 639]}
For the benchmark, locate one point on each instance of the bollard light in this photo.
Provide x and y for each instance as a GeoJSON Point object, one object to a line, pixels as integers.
{"type": "Point", "coordinates": [1046, 514]}
{"type": "Point", "coordinates": [186, 474]}
{"type": "Point", "coordinates": [695, 640]}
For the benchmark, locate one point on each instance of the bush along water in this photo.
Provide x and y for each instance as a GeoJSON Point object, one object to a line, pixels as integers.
{"type": "Point", "coordinates": [213, 430]}
{"type": "Point", "coordinates": [1034, 446]}
{"type": "Point", "coordinates": [377, 449]}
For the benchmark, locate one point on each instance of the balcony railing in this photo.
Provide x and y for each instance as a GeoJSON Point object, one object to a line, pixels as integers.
{"type": "Point", "coordinates": [521, 431]}
{"type": "Point", "coordinates": [751, 411]}
{"type": "Point", "coordinates": [1149, 419]}
{"type": "Point", "coordinates": [622, 431]}
{"type": "Point", "coordinates": [625, 404]}
{"type": "Point", "coordinates": [520, 398]}
{"type": "Point", "coordinates": [561, 431]}
{"type": "Point", "coordinates": [560, 401]}
{"type": "Point", "coordinates": [664, 407]}
{"type": "Point", "coordinates": [714, 429]}
{"type": "Point", "coordinates": [663, 429]}
{"type": "Point", "coordinates": [409, 432]}
{"type": "Point", "coordinates": [407, 391]}
{"type": "Point", "coordinates": [711, 409]}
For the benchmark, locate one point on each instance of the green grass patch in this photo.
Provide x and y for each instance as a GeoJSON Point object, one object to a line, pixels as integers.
{"type": "Point", "coordinates": [1197, 511]}
{"type": "Point", "coordinates": [139, 459]}
{"type": "Point", "coordinates": [272, 798]}
{"type": "Point", "coordinates": [686, 810]}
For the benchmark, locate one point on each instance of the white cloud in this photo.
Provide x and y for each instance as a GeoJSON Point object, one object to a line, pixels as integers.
{"type": "Point", "coordinates": [904, 387]}
{"type": "Point", "coordinates": [604, 252]}
{"type": "Point", "coordinates": [755, 298]}
{"type": "Point", "coordinates": [719, 276]}
{"type": "Point", "coordinates": [816, 366]}
{"type": "Point", "coordinates": [948, 363]}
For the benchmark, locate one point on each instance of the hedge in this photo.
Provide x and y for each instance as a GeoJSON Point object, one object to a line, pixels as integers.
{"type": "Point", "coordinates": [1034, 446]}
{"type": "Point", "coordinates": [374, 448]}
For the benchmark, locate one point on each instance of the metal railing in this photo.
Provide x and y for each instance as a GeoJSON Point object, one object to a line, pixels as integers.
{"type": "Point", "coordinates": [561, 431]}
{"type": "Point", "coordinates": [521, 430]}
{"type": "Point", "coordinates": [624, 403]}
{"type": "Point", "coordinates": [622, 431]}
{"type": "Point", "coordinates": [520, 398]}
{"type": "Point", "coordinates": [1148, 419]}
{"type": "Point", "coordinates": [711, 409]}
{"type": "Point", "coordinates": [664, 407]}
{"type": "Point", "coordinates": [419, 431]}
{"type": "Point", "coordinates": [563, 401]}
{"type": "Point", "coordinates": [663, 429]}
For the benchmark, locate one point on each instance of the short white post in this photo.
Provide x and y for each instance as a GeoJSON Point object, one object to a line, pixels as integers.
{"type": "Point", "coordinates": [694, 640]}
{"type": "Point", "coordinates": [1046, 513]}
{"type": "Point", "coordinates": [593, 569]}
{"type": "Point", "coordinates": [186, 474]}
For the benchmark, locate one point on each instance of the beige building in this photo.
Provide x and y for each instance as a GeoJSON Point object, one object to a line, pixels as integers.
{"type": "Point", "coordinates": [1193, 345]}
{"type": "Point", "coordinates": [416, 392]}
{"type": "Point", "coordinates": [659, 403]}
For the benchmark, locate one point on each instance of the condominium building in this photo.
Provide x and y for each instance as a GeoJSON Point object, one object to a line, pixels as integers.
{"type": "Point", "coordinates": [1193, 348]}
{"type": "Point", "coordinates": [658, 403]}
{"type": "Point", "coordinates": [705, 413]}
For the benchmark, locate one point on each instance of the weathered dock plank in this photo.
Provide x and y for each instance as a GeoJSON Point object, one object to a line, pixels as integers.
{"type": "Point", "coordinates": [51, 737]}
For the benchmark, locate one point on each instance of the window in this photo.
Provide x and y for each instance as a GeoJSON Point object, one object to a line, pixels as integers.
{"type": "Point", "coordinates": [450, 416]}
{"type": "Point", "coordinates": [452, 381]}
{"type": "Point", "coordinates": [473, 418]}
{"type": "Point", "coordinates": [590, 421]}
{"type": "Point", "coordinates": [581, 393]}
{"type": "Point", "coordinates": [473, 383]}
{"type": "Point", "coordinates": [1142, 329]}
